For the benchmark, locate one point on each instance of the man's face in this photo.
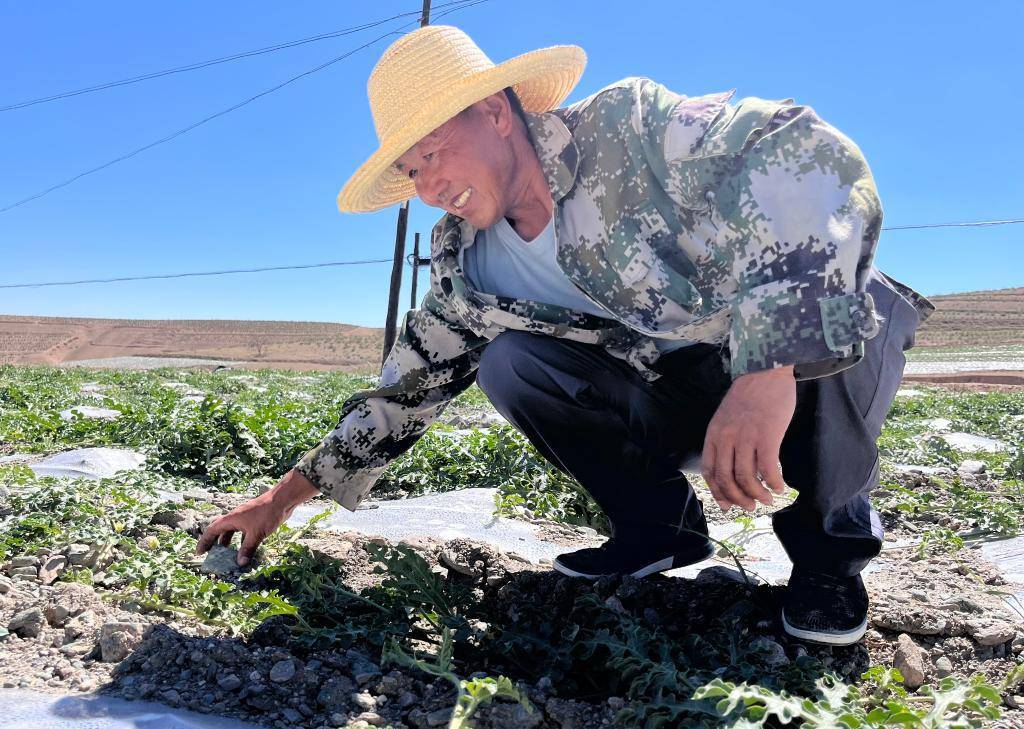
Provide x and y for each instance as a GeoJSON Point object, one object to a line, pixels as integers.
{"type": "Point", "coordinates": [466, 165]}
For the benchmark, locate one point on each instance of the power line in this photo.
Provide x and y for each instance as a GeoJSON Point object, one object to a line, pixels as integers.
{"type": "Point", "coordinates": [329, 264]}
{"type": "Point", "coordinates": [978, 223]}
{"type": "Point", "coordinates": [221, 113]}
{"type": "Point", "coordinates": [216, 61]}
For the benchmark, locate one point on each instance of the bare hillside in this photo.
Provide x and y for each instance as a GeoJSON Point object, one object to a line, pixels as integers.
{"type": "Point", "coordinates": [282, 344]}
{"type": "Point", "coordinates": [975, 319]}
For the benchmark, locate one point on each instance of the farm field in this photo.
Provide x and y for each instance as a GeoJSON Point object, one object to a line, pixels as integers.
{"type": "Point", "coordinates": [101, 592]}
{"type": "Point", "coordinates": [976, 331]}
{"type": "Point", "coordinates": [276, 344]}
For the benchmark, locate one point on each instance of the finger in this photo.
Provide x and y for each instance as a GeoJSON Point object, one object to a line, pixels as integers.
{"type": "Point", "coordinates": [770, 468]}
{"type": "Point", "coordinates": [209, 537]}
{"type": "Point", "coordinates": [226, 537]}
{"type": "Point", "coordinates": [724, 470]}
{"type": "Point", "coordinates": [250, 542]}
{"type": "Point", "coordinates": [707, 470]}
{"type": "Point", "coordinates": [745, 467]}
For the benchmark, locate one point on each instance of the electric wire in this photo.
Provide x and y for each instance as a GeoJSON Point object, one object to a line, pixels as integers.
{"type": "Point", "coordinates": [216, 61]}
{"type": "Point", "coordinates": [211, 117]}
{"type": "Point", "coordinates": [118, 279]}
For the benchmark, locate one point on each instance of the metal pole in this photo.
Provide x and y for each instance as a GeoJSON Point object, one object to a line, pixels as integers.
{"type": "Point", "coordinates": [415, 268]}
{"type": "Point", "coordinates": [391, 323]}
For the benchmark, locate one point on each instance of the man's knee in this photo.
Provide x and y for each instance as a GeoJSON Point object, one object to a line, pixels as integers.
{"type": "Point", "coordinates": [501, 371]}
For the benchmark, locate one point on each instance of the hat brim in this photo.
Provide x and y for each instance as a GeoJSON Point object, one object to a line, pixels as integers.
{"type": "Point", "coordinates": [542, 79]}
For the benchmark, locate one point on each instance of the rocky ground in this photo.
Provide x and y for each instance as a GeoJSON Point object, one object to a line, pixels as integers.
{"type": "Point", "coordinates": [930, 618]}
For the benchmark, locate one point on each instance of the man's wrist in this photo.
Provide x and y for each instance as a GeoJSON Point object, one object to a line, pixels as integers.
{"type": "Point", "coordinates": [293, 489]}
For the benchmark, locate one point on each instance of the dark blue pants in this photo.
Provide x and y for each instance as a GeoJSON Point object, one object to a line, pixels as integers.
{"type": "Point", "coordinates": [624, 439]}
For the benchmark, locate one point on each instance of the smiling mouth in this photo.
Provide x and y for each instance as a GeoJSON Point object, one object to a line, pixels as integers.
{"type": "Point", "coordinates": [461, 200]}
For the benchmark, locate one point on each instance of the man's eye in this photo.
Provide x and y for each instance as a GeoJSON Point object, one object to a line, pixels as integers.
{"type": "Point", "coordinates": [428, 156]}
{"type": "Point", "coordinates": [412, 174]}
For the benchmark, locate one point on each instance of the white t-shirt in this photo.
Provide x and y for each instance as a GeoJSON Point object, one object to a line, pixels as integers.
{"type": "Point", "coordinates": [500, 262]}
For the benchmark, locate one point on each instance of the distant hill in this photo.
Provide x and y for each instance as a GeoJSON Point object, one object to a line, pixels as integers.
{"type": "Point", "coordinates": [277, 344]}
{"type": "Point", "coordinates": [975, 319]}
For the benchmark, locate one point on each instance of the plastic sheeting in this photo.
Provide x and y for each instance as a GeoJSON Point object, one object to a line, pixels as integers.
{"type": "Point", "coordinates": [24, 709]}
{"type": "Point", "coordinates": [89, 463]}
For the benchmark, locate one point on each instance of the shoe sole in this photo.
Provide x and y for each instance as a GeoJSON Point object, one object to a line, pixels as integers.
{"type": "Point", "coordinates": [847, 637]}
{"type": "Point", "coordinates": [661, 565]}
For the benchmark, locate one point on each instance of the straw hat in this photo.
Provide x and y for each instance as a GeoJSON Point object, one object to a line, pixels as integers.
{"type": "Point", "coordinates": [427, 77]}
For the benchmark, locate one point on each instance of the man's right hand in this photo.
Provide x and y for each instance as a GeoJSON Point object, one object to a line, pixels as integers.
{"type": "Point", "coordinates": [259, 517]}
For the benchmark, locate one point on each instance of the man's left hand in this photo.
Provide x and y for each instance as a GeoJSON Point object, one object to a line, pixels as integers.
{"type": "Point", "coordinates": [740, 461]}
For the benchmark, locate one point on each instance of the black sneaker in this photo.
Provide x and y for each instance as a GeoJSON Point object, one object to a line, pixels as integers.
{"type": "Point", "coordinates": [823, 609]}
{"type": "Point", "coordinates": [615, 558]}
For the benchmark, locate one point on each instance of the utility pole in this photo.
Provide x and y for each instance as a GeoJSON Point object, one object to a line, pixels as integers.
{"type": "Point", "coordinates": [415, 268]}
{"type": "Point", "coordinates": [391, 323]}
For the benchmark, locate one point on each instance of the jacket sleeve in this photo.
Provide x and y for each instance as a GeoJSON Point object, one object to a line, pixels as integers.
{"type": "Point", "coordinates": [433, 360]}
{"type": "Point", "coordinates": [797, 218]}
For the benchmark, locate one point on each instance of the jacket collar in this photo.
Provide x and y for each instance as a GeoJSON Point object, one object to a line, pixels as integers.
{"type": "Point", "coordinates": [559, 160]}
{"type": "Point", "coordinates": [558, 153]}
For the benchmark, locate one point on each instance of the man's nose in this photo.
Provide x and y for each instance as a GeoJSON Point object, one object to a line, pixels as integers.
{"type": "Point", "coordinates": [431, 189]}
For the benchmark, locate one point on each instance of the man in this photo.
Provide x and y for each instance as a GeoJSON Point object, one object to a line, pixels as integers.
{"type": "Point", "coordinates": [633, 280]}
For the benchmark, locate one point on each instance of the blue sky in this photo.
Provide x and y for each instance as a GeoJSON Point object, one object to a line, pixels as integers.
{"type": "Point", "coordinates": [930, 91]}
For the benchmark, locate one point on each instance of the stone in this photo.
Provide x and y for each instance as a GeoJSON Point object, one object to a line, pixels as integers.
{"type": "Point", "coordinates": [773, 654]}
{"type": "Point", "coordinates": [52, 569]}
{"type": "Point", "coordinates": [990, 632]}
{"type": "Point", "coordinates": [81, 555]}
{"type": "Point", "coordinates": [6, 585]}
{"type": "Point", "coordinates": [913, 621]}
{"type": "Point", "coordinates": [909, 661]}
{"type": "Point", "coordinates": [439, 717]}
{"type": "Point", "coordinates": [231, 682]}
{"type": "Point", "coordinates": [28, 623]}
{"type": "Point", "coordinates": [30, 573]}
{"type": "Point", "coordinates": [118, 639]}
{"type": "Point", "coordinates": [25, 560]}
{"type": "Point", "coordinates": [222, 562]}
{"type": "Point", "coordinates": [282, 671]}
{"type": "Point", "coordinates": [79, 625]}
{"type": "Point", "coordinates": [371, 717]}
{"type": "Point", "coordinates": [291, 714]}
{"type": "Point", "coordinates": [972, 467]}
{"type": "Point", "coordinates": [517, 715]}
{"type": "Point", "coordinates": [334, 695]}
{"type": "Point", "coordinates": [722, 574]}
{"type": "Point", "coordinates": [57, 614]}
{"type": "Point", "coordinates": [364, 701]}
{"type": "Point", "coordinates": [187, 520]}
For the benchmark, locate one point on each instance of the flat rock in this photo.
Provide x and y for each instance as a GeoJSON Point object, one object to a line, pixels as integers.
{"type": "Point", "coordinates": [986, 631]}
{"type": "Point", "coordinates": [909, 661]}
{"type": "Point", "coordinates": [908, 619]}
{"type": "Point", "coordinates": [89, 463]}
{"type": "Point", "coordinates": [28, 623]}
{"type": "Point", "coordinates": [222, 561]}
{"type": "Point", "coordinates": [52, 568]}
{"type": "Point", "coordinates": [283, 671]}
{"type": "Point", "coordinates": [118, 639]}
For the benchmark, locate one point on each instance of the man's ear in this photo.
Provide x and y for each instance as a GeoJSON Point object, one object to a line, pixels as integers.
{"type": "Point", "coordinates": [497, 112]}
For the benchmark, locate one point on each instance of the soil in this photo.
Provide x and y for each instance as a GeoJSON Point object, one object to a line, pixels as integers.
{"type": "Point", "coordinates": [257, 344]}
{"type": "Point", "coordinates": [947, 606]}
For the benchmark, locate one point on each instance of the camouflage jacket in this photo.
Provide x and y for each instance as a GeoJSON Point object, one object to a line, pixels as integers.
{"type": "Point", "coordinates": [751, 225]}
